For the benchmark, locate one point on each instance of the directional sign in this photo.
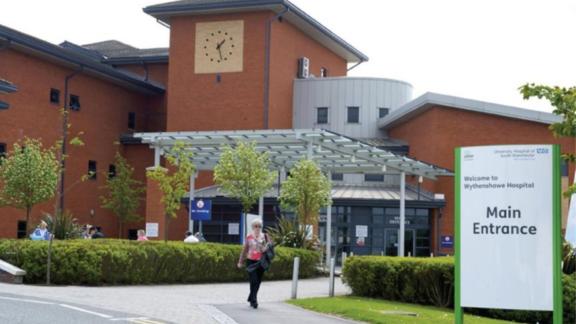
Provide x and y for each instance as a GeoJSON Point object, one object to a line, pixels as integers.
{"type": "Point", "coordinates": [201, 210]}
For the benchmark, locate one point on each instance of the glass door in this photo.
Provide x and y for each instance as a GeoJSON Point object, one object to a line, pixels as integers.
{"type": "Point", "coordinates": [391, 247]}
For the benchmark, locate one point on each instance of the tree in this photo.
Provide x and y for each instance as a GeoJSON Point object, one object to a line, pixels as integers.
{"type": "Point", "coordinates": [124, 193]}
{"type": "Point", "coordinates": [564, 102]}
{"type": "Point", "coordinates": [174, 181]}
{"type": "Point", "coordinates": [306, 191]}
{"type": "Point", "coordinates": [28, 176]}
{"type": "Point", "coordinates": [244, 173]}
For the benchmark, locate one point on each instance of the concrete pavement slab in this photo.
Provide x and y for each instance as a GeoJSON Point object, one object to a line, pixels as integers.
{"type": "Point", "coordinates": [277, 313]}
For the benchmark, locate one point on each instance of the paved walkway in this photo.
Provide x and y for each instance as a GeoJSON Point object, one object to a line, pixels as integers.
{"type": "Point", "coordinates": [203, 303]}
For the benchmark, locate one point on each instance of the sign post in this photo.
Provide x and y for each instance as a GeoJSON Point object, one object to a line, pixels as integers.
{"type": "Point", "coordinates": [507, 229]}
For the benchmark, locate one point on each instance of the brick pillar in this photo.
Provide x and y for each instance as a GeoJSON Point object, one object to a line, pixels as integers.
{"type": "Point", "coordinates": [155, 207]}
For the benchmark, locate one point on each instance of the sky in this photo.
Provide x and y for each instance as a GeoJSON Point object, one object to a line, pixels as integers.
{"type": "Point", "coordinates": [478, 49]}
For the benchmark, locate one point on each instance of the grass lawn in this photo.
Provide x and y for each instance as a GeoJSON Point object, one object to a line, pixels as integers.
{"type": "Point", "coordinates": [382, 311]}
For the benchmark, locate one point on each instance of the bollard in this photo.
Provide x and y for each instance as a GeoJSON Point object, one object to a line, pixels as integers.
{"type": "Point", "coordinates": [295, 277]}
{"type": "Point", "coordinates": [432, 254]}
{"type": "Point", "coordinates": [381, 253]}
{"type": "Point", "coordinates": [409, 254]}
{"type": "Point", "coordinates": [351, 254]}
{"type": "Point", "coordinates": [331, 285]}
{"type": "Point", "coordinates": [344, 256]}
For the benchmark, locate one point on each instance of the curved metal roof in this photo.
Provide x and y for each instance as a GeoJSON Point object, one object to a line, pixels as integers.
{"type": "Point", "coordinates": [331, 151]}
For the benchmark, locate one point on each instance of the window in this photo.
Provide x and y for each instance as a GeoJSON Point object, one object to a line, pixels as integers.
{"type": "Point", "coordinates": [353, 115]}
{"type": "Point", "coordinates": [323, 72]}
{"type": "Point", "coordinates": [131, 120]}
{"type": "Point", "coordinates": [92, 170]}
{"type": "Point", "coordinates": [74, 102]}
{"type": "Point", "coordinates": [371, 177]}
{"type": "Point", "coordinates": [111, 171]}
{"type": "Point", "coordinates": [383, 112]}
{"type": "Point", "coordinates": [4, 105]}
{"type": "Point", "coordinates": [2, 150]}
{"type": "Point", "coordinates": [563, 168]}
{"type": "Point", "coordinates": [322, 115]}
{"type": "Point", "coordinates": [54, 96]}
{"type": "Point", "coordinates": [21, 230]}
{"type": "Point", "coordinates": [337, 177]}
{"type": "Point", "coordinates": [133, 234]}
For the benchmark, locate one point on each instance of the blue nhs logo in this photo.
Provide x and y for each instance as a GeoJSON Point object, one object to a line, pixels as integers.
{"type": "Point", "coordinates": [542, 150]}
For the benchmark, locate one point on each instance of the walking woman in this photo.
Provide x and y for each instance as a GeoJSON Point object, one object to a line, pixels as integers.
{"type": "Point", "coordinates": [253, 253]}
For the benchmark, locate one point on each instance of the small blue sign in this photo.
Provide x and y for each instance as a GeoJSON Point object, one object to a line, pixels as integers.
{"type": "Point", "coordinates": [447, 241]}
{"type": "Point", "coordinates": [201, 210]}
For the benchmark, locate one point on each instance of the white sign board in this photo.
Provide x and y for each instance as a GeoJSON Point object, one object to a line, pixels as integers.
{"type": "Point", "coordinates": [152, 229]}
{"type": "Point", "coordinates": [506, 227]}
{"type": "Point", "coordinates": [361, 230]}
{"type": "Point", "coordinates": [233, 228]}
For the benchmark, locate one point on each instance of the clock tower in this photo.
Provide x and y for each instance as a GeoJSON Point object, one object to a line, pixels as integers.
{"type": "Point", "coordinates": [232, 64]}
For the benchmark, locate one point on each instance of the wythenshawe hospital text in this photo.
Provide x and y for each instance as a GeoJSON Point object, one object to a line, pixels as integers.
{"type": "Point", "coordinates": [507, 214]}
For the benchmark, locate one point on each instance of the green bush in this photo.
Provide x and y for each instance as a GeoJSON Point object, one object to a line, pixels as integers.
{"type": "Point", "coordinates": [289, 233]}
{"type": "Point", "coordinates": [430, 281]}
{"type": "Point", "coordinates": [121, 262]}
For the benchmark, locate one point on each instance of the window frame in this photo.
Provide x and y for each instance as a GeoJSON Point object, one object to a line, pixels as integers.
{"type": "Point", "coordinates": [318, 122]}
{"type": "Point", "coordinates": [92, 169]}
{"type": "Point", "coordinates": [3, 151]}
{"type": "Point", "coordinates": [21, 232]}
{"type": "Point", "coordinates": [132, 120]}
{"type": "Point", "coordinates": [348, 110]}
{"type": "Point", "coordinates": [337, 176]}
{"type": "Point", "coordinates": [111, 171]}
{"type": "Point", "coordinates": [77, 106]}
{"type": "Point", "coordinates": [373, 177]}
{"type": "Point", "coordinates": [380, 109]}
{"type": "Point", "coordinates": [56, 92]}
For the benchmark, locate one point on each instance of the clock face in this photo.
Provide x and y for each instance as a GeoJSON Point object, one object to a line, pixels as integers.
{"type": "Point", "coordinates": [219, 46]}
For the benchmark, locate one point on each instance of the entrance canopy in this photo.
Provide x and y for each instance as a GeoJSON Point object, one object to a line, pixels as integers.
{"type": "Point", "coordinates": [331, 151]}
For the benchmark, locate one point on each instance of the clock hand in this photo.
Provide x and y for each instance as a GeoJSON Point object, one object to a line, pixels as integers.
{"type": "Point", "coordinates": [220, 52]}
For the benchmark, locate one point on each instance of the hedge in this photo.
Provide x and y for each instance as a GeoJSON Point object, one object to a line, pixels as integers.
{"type": "Point", "coordinates": [430, 281]}
{"type": "Point", "coordinates": [121, 262]}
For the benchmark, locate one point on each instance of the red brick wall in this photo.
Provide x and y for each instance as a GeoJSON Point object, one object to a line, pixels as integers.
{"type": "Point", "coordinates": [197, 101]}
{"type": "Point", "coordinates": [103, 117]}
{"type": "Point", "coordinates": [434, 134]}
{"type": "Point", "coordinates": [155, 113]}
{"type": "Point", "coordinates": [288, 44]}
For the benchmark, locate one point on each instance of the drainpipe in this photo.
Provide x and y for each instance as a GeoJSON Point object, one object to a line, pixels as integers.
{"type": "Point", "coordinates": [268, 33]}
{"type": "Point", "coordinates": [146, 71]}
{"type": "Point", "coordinates": [65, 135]}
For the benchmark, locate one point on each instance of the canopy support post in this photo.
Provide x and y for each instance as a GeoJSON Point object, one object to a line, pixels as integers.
{"type": "Point", "coordinates": [402, 214]}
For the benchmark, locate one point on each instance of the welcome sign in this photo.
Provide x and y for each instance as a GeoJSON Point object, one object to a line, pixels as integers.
{"type": "Point", "coordinates": [507, 228]}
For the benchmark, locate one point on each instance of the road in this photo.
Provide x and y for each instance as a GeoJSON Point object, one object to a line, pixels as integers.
{"type": "Point", "coordinates": [17, 309]}
{"type": "Point", "coordinates": [201, 303]}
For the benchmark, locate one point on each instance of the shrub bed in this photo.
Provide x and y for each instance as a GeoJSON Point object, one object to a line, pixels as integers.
{"type": "Point", "coordinates": [430, 281]}
{"type": "Point", "coordinates": [121, 262]}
